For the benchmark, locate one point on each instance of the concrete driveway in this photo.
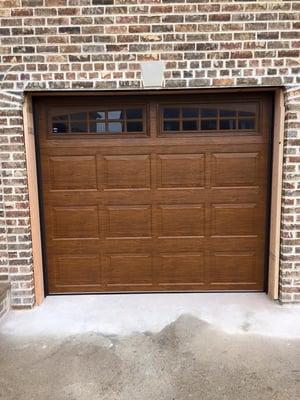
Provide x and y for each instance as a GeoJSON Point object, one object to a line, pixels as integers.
{"type": "Point", "coordinates": [152, 347]}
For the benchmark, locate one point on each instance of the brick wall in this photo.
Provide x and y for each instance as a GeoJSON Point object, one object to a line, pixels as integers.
{"type": "Point", "coordinates": [290, 231]}
{"type": "Point", "coordinates": [57, 44]}
{"type": "Point", "coordinates": [15, 242]}
{"type": "Point", "coordinates": [99, 44]}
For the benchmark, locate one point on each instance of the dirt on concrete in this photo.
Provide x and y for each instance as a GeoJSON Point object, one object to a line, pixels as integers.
{"type": "Point", "coordinates": [189, 359]}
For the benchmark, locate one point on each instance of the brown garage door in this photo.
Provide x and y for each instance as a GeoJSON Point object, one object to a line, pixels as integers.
{"type": "Point", "coordinates": [155, 193]}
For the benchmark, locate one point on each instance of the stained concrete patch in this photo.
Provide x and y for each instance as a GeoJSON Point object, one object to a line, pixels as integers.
{"type": "Point", "coordinates": [188, 359]}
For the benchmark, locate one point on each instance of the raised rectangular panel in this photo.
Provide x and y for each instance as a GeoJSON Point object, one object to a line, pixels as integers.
{"type": "Point", "coordinates": [181, 269]}
{"type": "Point", "coordinates": [127, 172]}
{"type": "Point", "coordinates": [73, 173]}
{"type": "Point", "coordinates": [180, 170]}
{"type": "Point", "coordinates": [181, 220]}
{"type": "Point", "coordinates": [129, 269]}
{"type": "Point", "coordinates": [77, 270]}
{"type": "Point", "coordinates": [232, 267]}
{"type": "Point", "coordinates": [75, 222]}
{"type": "Point", "coordinates": [233, 219]}
{"type": "Point", "coordinates": [234, 169]}
{"type": "Point", "coordinates": [128, 222]}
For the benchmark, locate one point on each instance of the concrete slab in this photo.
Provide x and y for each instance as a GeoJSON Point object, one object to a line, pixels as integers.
{"type": "Point", "coordinates": [240, 313]}
{"type": "Point", "coordinates": [152, 346]}
{"type": "Point", "coordinates": [187, 360]}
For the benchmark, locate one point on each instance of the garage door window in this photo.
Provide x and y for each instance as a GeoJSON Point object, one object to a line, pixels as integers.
{"type": "Point", "coordinates": [198, 118]}
{"type": "Point", "coordinates": [122, 121]}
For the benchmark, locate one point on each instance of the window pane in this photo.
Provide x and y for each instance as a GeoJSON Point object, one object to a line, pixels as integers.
{"type": "Point", "coordinates": [247, 124]}
{"type": "Point", "coordinates": [171, 113]}
{"type": "Point", "coordinates": [134, 113]}
{"type": "Point", "coordinates": [227, 113]}
{"type": "Point", "coordinates": [60, 127]}
{"type": "Point", "coordinates": [246, 114]}
{"type": "Point", "coordinates": [97, 115]}
{"type": "Point", "coordinates": [136, 126]}
{"type": "Point", "coordinates": [190, 125]}
{"type": "Point", "coordinates": [227, 124]}
{"type": "Point", "coordinates": [79, 116]}
{"type": "Point", "coordinates": [209, 124]}
{"type": "Point", "coordinates": [190, 112]}
{"type": "Point", "coordinates": [78, 127]}
{"type": "Point", "coordinates": [209, 112]}
{"type": "Point", "coordinates": [115, 127]}
{"type": "Point", "coordinates": [60, 118]}
{"type": "Point", "coordinates": [171, 125]}
{"type": "Point", "coordinates": [115, 114]}
{"type": "Point", "coordinates": [98, 127]}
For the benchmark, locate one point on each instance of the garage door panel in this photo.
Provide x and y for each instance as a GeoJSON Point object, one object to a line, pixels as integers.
{"type": "Point", "coordinates": [126, 172]}
{"type": "Point", "coordinates": [75, 222]}
{"type": "Point", "coordinates": [77, 270]}
{"type": "Point", "coordinates": [180, 170]}
{"type": "Point", "coordinates": [234, 169]}
{"type": "Point", "coordinates": [181, 269]}
{"type": "Point", "coordinates": [128, 270]}
{"type": "Point", "coordinates": [233, 219]}
{"type": "Point", "coordinates": [181, 220]}
{"type": "Point", "coordinates": [73, 173]}
{"type": "Point", "coordinates": [127, 221]}
{"type": "Point", "coordinates": [233, 267]}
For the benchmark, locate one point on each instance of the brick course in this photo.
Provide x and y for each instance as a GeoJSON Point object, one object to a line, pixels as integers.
{"type": "Point", "coordinates": [290, 226]}
{"type": "Point", "coordinates": [99, 44]}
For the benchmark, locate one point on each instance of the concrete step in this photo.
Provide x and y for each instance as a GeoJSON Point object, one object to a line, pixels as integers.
{"type": "Point", "coordinates": [4, 298]}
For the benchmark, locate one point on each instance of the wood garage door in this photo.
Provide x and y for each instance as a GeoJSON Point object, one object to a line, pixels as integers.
{"type": "Point", "coordinates": [155, 193]}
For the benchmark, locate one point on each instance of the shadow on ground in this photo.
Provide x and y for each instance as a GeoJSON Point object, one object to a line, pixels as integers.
{"type": "Point", "coordinates": [188, 359]}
